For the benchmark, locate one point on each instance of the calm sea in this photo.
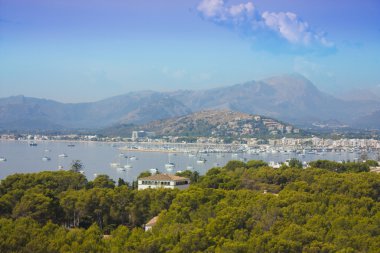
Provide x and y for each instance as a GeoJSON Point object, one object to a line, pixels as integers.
{"type": "Point", "coordinates": [97, 158]}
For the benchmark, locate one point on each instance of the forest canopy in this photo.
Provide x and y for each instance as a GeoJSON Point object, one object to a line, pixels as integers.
{"type": "Point", "coordinates": [241, 207]}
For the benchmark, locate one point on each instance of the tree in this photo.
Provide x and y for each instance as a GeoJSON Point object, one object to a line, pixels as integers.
{"type": "Point", "coordinates": [295, 163]}
{"type": "Point", "coordinates": [256, 164]}
{"type": "Point", "coordinates": [144, 174]}
{"type": "Point", "coordinates": [36, 206]}
{"type": "Point", "coordinates": [192, 175]}
{"type": "Point", "coordinates": [76, 166]}
{"type": "Point", "coordinates": [234, 164]}
{"type": "Point", "coordinates": [103, 181]}
{"type": "Point", "coordinates": [121, 182]}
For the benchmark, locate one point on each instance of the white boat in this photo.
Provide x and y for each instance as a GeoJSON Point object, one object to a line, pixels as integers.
{"type": "Point", "coordinates": [60, 167]}
{"type": "Point", "coordinates": [133, 158]}
{"type": "Point", "coordinates": [189, 167]}
{"type": "Point", "coordinates": [46, 158]}
{"type": "Point", "coordinates": [62, 155]}
{"type": "Point", "coordinates": [120, 169]}
{"type": "Point", "coordinates": [3, 159]}
{"type": "Point", "coordinates": [153, 170]}
{"type": "Point", "coordinates": [191, 155]}
{"type": "Point", "coordinates": [128, 166]}
{"type": "Point", "coordinates": [115, 165]}
{"type": "Point", "coordinates": [169, 166]}
{"type": "Point", "coordinates": [201, 160]}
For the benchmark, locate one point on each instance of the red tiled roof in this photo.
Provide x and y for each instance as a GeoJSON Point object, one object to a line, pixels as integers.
{"type": "Point", "coordinates": [164, 177]}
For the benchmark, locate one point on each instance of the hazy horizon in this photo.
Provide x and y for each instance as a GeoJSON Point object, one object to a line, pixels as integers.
{"type": "Point", "coordinates": [90, 50]}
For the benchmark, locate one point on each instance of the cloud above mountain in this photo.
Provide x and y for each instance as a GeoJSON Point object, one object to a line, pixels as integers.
{"type": "Point", "coordinates": [248, 20]}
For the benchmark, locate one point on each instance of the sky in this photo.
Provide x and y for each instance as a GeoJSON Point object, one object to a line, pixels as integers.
{"type": "Point", "coordinates": [87, 50]}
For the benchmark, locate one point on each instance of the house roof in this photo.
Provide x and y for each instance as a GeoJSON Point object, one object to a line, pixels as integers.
{"type": "Point", "coordinates": [152, 222]}
{"type": "Point", "coordinates": [164, 177]}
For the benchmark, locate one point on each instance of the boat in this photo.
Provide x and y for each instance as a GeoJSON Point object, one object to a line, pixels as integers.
{"type": "Point", "coordinates": [81, 172]}
{"type": "Point", "coordinates": [133, 158]}
{"type": "Point", "coordinates": [60, 167]}
{"type": "Point", "coordinates": [3, 159]}
{"type": "Point", "coordinates": [115, 165]}
{"type": "Point", "coordinates": [189, 167]}
{"type": "Point", "coordinates": [153, 170]}
{"type": "Point", "coordinates": [123, 155]}
{"type": "Point", "coordinates": [169, 166]}
{"type": "Point", "coordinates": [71, 145]}
{"type": "Point", "coordinates": [191, 155]}
{"type": "Point", "coordinates": [46, 158]}
{"type": "Point", "coordinates": [62, 155]}
{"type": "Point", "coordinates": [47, 150]}
{"type": "Point", "coordinates": [128, 166]}
{"type": "Point", "coordinates": [201, 160]}
{"type": "Point", "coordinates": [120, 169]}
{"type": "Point", "coordinates": [33, 144]}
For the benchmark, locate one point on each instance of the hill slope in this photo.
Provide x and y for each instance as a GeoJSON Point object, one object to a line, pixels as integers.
{"type": "Point", "coordinates": [211, 123]}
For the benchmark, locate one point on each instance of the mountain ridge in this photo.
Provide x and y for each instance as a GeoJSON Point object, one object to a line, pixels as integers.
{"type": "Point", "coordinates": [291, 98]}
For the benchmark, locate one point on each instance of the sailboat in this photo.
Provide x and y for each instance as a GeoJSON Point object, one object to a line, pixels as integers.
{"type": "Point", "coordinates": [46, 158]}
{"type": "Point", "coordinates": [170, 165]}
{"type": "Point", "coordinates": [128, 166]}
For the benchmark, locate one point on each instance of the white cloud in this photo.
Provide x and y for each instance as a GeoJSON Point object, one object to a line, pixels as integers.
{"type": "Point", "coordinates": [211, 8]}
{"type": "Point", "coordinates": [240, 9]}
{"type": "Point", "coordinates": [217, 11]}
{"type": "Point", "coordinates": [286, 25]}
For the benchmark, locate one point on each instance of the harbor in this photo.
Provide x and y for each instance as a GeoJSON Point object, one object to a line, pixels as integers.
{"type": "Point", "coordinates": [128, 160]}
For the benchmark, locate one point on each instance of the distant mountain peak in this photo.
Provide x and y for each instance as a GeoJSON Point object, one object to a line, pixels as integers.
{"type": "Point", "coordinates": [295, 81]}
{"type": "Point", "coordinates": [289, 97]}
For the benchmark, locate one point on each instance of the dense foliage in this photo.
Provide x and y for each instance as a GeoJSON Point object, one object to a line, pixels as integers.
{"type": "Point", "coordinates": [242, 207]}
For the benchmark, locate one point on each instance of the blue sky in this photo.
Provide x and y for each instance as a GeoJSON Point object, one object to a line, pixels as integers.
{"type": "Point", "coordinates": [82, 50]}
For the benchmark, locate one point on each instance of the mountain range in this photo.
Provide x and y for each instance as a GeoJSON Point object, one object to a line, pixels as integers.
{"type": "Point", "coordinates": [291, 98]}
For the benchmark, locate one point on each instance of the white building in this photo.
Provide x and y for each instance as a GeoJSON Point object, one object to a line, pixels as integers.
{"type": "Point", "coordinates": [163, 181]}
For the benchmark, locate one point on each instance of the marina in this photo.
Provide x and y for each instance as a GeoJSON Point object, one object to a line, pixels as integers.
{"type": "Point", "coordinates": [117, 161]}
